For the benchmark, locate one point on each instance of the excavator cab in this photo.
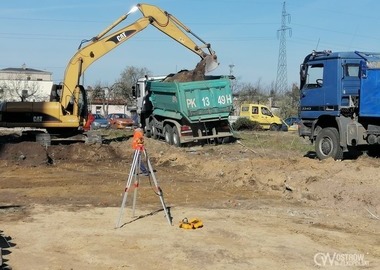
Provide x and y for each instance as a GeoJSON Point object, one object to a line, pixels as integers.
{"type": "Point", "coordinates": [55, 92]}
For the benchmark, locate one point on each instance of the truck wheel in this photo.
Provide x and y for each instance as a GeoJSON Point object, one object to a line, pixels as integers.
{"type": "Point", "coordinates": [327, 144]}
{"type": "Point", "coordinates": [153, 130]}
{"type": "Point", "coordinates": [274, 127]}
{"type": "Point", "coordinates": [168, 134]}
{"type": "Point", "coordinates": [148, 133]}
{"type": "Point", "coordinates": [176, 139]}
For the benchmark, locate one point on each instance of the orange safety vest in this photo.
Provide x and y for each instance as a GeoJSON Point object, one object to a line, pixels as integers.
{"type": "Point", "coordinates": [90, 119]}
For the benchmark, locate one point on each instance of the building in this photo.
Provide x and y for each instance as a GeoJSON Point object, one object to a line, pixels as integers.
{"type": "Point", "coordinates": [25, 84]}
{"type": "Point", "coordinates": [105, 107]}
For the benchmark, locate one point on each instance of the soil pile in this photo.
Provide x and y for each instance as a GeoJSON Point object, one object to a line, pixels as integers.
{"type": "Point", "coordinates": [59, 205]}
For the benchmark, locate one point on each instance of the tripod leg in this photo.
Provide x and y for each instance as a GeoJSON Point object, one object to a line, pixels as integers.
{"type": "Point", "coordinates": [158, 189]}
{"type": "Point", "coordinates": [137, 182]}
{"type": "Point", "coordinates": [132, 173]}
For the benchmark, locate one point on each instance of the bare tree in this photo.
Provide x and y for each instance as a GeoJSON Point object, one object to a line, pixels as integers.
{"type": "Point", "coordinates": [100, 94]}
{"type": "Point", "coordinates": [3, 91]}
{"type": "Point", "coordinates": [128, 78]}
{"type": "Point", "coordinates": [253, 93]}
{"type": "Point", "coordinates": [18, 88]}
{"type": "Point", "coordinates": [289, 103]}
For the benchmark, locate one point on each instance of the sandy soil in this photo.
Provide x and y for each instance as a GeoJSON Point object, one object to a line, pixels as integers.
{"type": "Point", "coordinates": [263, 210]}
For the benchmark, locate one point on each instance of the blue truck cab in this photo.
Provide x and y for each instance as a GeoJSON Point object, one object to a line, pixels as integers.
{"type": "Point", "coordinates": [339, 101]}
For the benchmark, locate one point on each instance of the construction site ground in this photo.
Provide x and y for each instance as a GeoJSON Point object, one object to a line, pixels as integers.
{"type": "Point", "coordinates": [261, 207]}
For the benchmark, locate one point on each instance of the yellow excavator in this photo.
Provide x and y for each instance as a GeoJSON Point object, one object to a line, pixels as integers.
{"type": "Point", "coordinates": [66, 112]}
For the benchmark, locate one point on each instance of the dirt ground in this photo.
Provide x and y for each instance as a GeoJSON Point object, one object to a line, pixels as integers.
{"type": "Point", "coordinates": [261, 209]}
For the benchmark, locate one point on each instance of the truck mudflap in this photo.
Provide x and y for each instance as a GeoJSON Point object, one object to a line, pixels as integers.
{"type": "Point", "coordinates": [186, 139]}
{"type": "Point", "coordinates": [303, 130]}
{"type": "Point", "coordinates": [204, 131]}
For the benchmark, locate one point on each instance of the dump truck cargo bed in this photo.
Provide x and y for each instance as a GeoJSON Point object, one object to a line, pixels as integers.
{"type": "Point", "coordinates": [196, 101]}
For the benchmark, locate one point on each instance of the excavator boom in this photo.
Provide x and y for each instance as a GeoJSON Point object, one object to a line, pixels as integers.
{"type": "Point", "coordinates": [106, 41]}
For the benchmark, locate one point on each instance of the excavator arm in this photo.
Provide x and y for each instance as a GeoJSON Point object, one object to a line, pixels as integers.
{"type": "Point", "coordinates": [107, 41]}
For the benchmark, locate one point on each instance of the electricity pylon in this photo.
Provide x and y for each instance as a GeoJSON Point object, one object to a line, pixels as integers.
{"type": "Point", "coordinates": [282, 75]}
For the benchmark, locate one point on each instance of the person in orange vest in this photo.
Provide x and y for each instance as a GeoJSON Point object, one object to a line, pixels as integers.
{"type": "Point", "coordinates": [89, 120]}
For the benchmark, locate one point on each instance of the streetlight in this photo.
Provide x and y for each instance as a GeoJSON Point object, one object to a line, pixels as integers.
{"type": "Point", "coordinates": [231, 69]}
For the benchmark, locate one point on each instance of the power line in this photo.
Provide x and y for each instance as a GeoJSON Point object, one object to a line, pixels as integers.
{"type": "Point", "coordinates": [103, 21]}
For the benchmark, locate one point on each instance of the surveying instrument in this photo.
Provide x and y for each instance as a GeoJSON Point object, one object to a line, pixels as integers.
{"type": "Point", "coordinates": [136, 171]}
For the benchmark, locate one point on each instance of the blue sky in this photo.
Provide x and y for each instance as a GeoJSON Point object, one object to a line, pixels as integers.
{"type": "Point", "coordinates": [45, 34]}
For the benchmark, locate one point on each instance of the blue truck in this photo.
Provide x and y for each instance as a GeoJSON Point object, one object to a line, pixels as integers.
{"type": "Point", "coordinates": [340, 102]}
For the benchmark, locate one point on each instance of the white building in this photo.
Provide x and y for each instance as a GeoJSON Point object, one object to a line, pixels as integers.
{"type": "Point", "coordinates": [112, 106]}
{"type": "Point", "coordinates": [25, 84]}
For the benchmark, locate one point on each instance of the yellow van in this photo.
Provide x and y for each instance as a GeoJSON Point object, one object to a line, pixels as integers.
{"type": "Point", "coordinates": [262, 115]}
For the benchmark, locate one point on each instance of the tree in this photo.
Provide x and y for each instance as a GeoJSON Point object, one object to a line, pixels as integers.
{"type": "Point", "coordinates": [274, 95]}
{"type": "Point", "coordinates": [252, 93]}
{"type": "Point", "coordinates": [289, 103]}
{"type": "Point", "coordinates": [120, 92]}
{"type": "Point", "coordinates": [103, 94]}
{"type": "Point", "coordinates": [128, 78]}
{"type": "Point", "coordinates": [18, 88]}
{"type": "Point", "coordinates": [96, 93]}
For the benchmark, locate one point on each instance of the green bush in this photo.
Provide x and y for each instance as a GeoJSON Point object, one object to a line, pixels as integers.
{"type": "Point", "coordinates": [243, 123]}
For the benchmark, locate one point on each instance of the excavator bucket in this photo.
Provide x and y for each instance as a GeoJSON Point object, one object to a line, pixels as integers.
{"type": "Point", "coordinates": [211, 63]}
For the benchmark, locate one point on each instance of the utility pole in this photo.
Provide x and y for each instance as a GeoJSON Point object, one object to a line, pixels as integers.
{"type": "Point", "coordinates": [231, 69]}
{"type": "Point", "coordinates": [233, 81]}
{"type": "Point", "coordinates": [282, 76]}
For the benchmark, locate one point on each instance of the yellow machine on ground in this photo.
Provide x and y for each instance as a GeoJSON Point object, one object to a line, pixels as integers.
{"type": "Point", "coordinates": [66, 112]}
{"type": "Point", "coordinates": [262, 115]}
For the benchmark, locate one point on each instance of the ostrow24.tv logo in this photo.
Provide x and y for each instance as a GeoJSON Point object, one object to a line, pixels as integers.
{"type": "Point", "coordinates": [339, 259]}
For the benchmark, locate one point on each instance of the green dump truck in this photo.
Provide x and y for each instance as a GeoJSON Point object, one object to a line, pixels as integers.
{"type": "Point", "coordinates": [183, 112]}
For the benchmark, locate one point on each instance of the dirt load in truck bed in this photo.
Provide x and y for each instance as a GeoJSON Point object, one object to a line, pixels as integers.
{"type": "Point", "coordinates": [262, 208]}
{"type": "Point", "coordinates": [197, 74]}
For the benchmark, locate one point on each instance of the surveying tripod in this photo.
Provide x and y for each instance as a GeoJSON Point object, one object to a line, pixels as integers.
{"type": "Point", "coordinates": [135, 173]}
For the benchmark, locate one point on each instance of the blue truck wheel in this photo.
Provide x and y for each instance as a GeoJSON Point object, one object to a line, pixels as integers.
{"type": "Point", "coordinates": [327, 144]}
